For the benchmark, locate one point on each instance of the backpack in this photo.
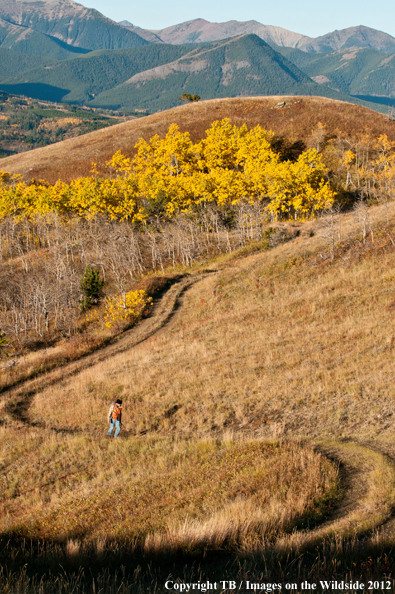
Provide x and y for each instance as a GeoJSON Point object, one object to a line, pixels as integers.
{"type": "Point", "coordinates": [116, 413]}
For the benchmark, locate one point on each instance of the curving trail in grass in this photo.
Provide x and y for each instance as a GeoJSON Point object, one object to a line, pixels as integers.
{"type": "Point", "coordinates": [368, 476]}
{"type": "Point", "coordinates": [17, 400]}
{"type": "Point", "coordinates": [367, 504]}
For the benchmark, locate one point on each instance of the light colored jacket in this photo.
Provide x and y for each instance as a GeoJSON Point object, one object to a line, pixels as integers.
{"type": "Point", "coordinates": [111, 410]}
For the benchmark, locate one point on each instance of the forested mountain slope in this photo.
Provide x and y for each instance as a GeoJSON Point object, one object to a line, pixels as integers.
{"type": "Point", "coordinates": [153, 77]}
{"type": "Point", "coordinates": [62, 20]}
{"type": "Point", "coordinates": [81, 79]}
{"type": "Point", "coordinates": [356, 70]}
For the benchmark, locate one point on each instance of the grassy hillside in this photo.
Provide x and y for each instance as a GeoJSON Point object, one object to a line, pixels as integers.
{"type": "Point", "coordinates": [257, 430]}
{"type": "Point", "coordinates": [293, 120]}
{"type": "Point", "coordinates": [287, 341]}
{"type": "Point", "coordinates": [264, 351]}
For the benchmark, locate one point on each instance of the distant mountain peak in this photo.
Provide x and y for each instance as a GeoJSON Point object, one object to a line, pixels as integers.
{"type": "Point", "coordinates": [358, 36]}
{"type": "Point", "coordinates": [203, 31]}
{"type": "Point", "coordinates": [69, 22]}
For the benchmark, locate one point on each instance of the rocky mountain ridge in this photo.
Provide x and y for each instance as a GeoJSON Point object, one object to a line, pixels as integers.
{"type": "Point", "coordinates": [65, 21]}
{"type": "Point", "coordinates": [202, 31]}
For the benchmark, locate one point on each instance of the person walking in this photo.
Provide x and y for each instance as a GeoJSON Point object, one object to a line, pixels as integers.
{"type": "Point", "coordinates": [115, 417]}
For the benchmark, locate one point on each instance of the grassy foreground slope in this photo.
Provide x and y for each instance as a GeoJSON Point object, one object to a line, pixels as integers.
{"type": "Point", "coordinates": [294, 118]}
{"type": "Point", "coordinates": [282, 344]}
{"type": "Point", "coordinates": [275, 365]}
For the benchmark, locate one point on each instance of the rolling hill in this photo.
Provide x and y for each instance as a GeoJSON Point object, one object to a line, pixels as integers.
{"type": "Point", "coordinates": [265, 373]}
{"type": "Point", "coordinates": [290, 117]}
{"type": "Point", "coordinates": [262, 376]}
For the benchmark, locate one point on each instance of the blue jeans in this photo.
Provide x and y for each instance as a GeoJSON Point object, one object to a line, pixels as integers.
{"type": "Point", "coordinates": [117, 425]}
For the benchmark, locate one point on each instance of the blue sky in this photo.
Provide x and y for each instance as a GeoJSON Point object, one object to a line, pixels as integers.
{"type": "Point", "coordinates": [303, 16]}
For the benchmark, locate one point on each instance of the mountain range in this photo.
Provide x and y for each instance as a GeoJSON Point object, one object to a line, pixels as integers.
{"type": "Point", "coordinates": [355, 71]}
{"type": "Point", "coordinates": [202, 31]}
{"type": "Point", "coordinates": [61, 51]}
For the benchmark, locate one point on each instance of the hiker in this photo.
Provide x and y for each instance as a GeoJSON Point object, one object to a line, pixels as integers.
{"type": "Point", "coordinates": [115, 417]}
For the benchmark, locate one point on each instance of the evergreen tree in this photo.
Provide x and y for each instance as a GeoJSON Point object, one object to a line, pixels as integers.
{"type": "Point", "coordinates": [91, 286]}
{"type": "Point", "coordinates": [3, 340]}
{"type": "Point", "coordinates": [188, 97]}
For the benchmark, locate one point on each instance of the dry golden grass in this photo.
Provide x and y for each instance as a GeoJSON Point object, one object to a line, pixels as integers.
{"type": "Point", "coordinates": [270, 345]}
{"type": "Point", "coordinates": [368, 501]}
{"type": "Point", "coordinates": [296, 121]}
{"type": "Point", "coordinates": [17, 368]}
{"type": "Point", "coordinates": [159, 494]}
{"type": "Point", "coordinates": [282, 343]}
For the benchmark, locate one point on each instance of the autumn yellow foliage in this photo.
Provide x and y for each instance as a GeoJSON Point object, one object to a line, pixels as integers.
{"type": "Point", "coordinates": [128, 307]}
{"type": "Point", "coordinates": [172, 175]}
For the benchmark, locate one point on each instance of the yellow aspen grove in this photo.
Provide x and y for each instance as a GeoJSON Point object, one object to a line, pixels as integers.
{"type": "Point", "coordinates": [161, 168]}
{"type": "Point", "coordinates": [232, 159]}
{"type": "Point", "coordinates": [172, 175]}
{"type": "Point", "coordinates": [220, 148]}
{"type": "Point", "coordinates": [120, 164]}
{"type": "Point", "coordinates": [382, 174]}
{"type": "Point", "coordinates": [370, 167]}
{"type": "Point", "coordinates": [348, 160]}
{"type": "Point", "coordinates": [310, 191]}
{"type": "Point", "coordinates": [127, 307]}
{"type": "Point", "coordinates": [294, 190]}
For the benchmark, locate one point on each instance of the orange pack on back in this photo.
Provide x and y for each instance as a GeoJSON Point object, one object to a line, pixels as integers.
{"type": "Point", "coordinates": [116, 413]}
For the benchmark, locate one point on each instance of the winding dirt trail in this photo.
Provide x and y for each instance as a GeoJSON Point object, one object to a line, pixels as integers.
{"type": "Point", "coordinates": [368, 480]}
{"type": "Point", "coordinates": [17, 400]}
{"type": "Point", "coordinates": [365, 505]}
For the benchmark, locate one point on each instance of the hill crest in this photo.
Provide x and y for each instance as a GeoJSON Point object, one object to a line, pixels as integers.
{"type": "Point", "coordinates": [293, 117]}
